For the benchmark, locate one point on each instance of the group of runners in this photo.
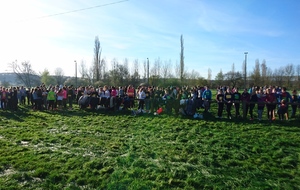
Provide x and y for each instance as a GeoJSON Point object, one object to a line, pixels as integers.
{"type": "Point", "coordinates": [277, 101]}
{"type": "Point", "coordinates": [150, 99]}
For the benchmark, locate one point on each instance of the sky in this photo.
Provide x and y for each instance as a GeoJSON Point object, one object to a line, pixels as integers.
{"type": "Point", "coordinates": [53, 34]}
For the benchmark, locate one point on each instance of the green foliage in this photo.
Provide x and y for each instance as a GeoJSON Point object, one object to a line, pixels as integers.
{"type": "Point", "coordinates": [5, 84]}
{"type": "Point", "coordinates": [79, 149]}
{"type": "Point", "coordinates": [47, 79]}
{"type": "Point", "coordinates": [80, 82]}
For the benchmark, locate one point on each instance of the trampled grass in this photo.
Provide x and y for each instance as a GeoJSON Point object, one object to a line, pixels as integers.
{"type": "Point", "coordinates": [85, 150]}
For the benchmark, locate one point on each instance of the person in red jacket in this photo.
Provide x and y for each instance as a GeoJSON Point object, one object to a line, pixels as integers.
{"type": "Point", "coordinates": [131, 95]}
{"type": "Point", "coordinates": [271, 104]}
{"type": "Point", "coordinates": [4, 99]}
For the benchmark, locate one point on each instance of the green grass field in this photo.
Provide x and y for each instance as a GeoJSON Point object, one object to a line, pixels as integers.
{"type": "Point", "coordinates": [86, 150]}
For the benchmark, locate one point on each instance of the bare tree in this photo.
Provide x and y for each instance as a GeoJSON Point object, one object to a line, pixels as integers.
{"type": "Point", "coordinates": [136, 66]}
{"type": "Point", "coordinates": [154, 72]}
{"type": "Point", "coordinates": [135, 77]}
{"type": "Point", "coordinates": [119, 74]}
{"type": "Point", "coordinates": [181, 59]}
{"type": "Point", "coordinates": [234, 78]}
{"type": "Point", "coordinates": [255, 75]}
{"type": "Point", "coordinates": [82, 69]}
{"type": "Point", "coordinates": [114, 73]}
{"type": "Point", "coordinates": [264, 77]}
{"type": "Point", "coordinates": [125, 63]}
{"type": "Point", "coordinates": [269, 75]}
{"type": "Point", "coordinates": [193, 77]}
{"type": "Point", "coordinates": [59, 75]}
{"type": "Point", "coordinates": [24, 72]}
{"type": "Point", "coordinates": [278, 76]}
{"type": "Point", "coordinates": [166, 72]}
{"type": "Point", "coordinates": [90, 75]}
{"type": "Point", "coordinates": [158, 62]}
{"type": "Point", "coordinates": [86, 73]}
{"type": "Point", "coordinates": [155, 67]}
{"type": "Point", "coordinates": [289, 71]}
{"type": "Point", "coordinates": [177, 70]}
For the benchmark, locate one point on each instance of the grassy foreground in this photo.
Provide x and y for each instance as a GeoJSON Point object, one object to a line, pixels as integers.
{"type": "Point", "coordinates": [84, 150]}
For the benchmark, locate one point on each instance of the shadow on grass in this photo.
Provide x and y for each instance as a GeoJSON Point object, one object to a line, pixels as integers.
{"type": "Point", "coordinates": [19, 114]}
{"type": "Point", "coordinates": [280, 123]}
{"type": "Point", "coordinates": [86, 112]}
{"type": "Point", "coordinates": [25, 111]}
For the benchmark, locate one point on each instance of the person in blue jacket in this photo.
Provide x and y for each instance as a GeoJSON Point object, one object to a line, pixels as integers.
{"type": "Point", "coordinates": [206, 97]}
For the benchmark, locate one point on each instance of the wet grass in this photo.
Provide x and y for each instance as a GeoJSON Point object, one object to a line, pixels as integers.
{"type": "Point", "coordinates": [85, 150]}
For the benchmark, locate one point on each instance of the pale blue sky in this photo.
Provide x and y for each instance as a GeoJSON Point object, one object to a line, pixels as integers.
{"type": "Point", "coordinates": [216, 32]}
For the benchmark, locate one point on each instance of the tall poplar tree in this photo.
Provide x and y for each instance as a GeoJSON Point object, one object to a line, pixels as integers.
{"type": "Point", "coordinates": [181, 59]}
{"type": "Point", "coordinates": [97, 60]}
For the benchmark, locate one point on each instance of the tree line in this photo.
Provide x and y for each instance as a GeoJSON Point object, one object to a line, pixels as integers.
{"type": "Point", "coordinates": [161, 73]}
{"type": "Point", "coordinates": [261, 75]}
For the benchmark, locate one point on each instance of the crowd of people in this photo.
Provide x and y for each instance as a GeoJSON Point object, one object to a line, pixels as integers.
{"type": "Point", "coordinates": [275, 99]}
{"type": "Point", "coordinates": [184, 100]}
{"type": "Point", "coordinates": [39, 98]}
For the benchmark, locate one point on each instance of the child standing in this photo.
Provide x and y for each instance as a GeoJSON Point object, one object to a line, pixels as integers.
{"type": "Point", "coordinates": [282, 110]}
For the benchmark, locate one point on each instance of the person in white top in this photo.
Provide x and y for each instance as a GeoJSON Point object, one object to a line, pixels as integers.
{"type": "Point", "coordinates": [106, 92]}
{"type": "Point", "coordinates": [105, 97]}
{"type": "Point", "coordinates": [142, 96]}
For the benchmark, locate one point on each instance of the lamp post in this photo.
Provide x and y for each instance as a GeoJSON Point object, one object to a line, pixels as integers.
{"type": "Point", "coordinates": [245, 70]}
{"type": "Point", "coordinates": [76, 73]}
{"type": "Point", "coordinates": [148, 71]}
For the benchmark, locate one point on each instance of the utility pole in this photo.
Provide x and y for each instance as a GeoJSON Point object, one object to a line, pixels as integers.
{"type": "Point", "coordinates": [76, 73]}
{"type": "Point", "coordinates": [148, 71]}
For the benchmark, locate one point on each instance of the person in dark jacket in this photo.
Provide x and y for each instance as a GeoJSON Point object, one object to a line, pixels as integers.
{"type": "Point", "coordinates": [253, 101]}
{"type": "Point", "coordinates": [15, 99]}
{"type": "Point", "coordinates": [228, 97]}
{"type": "Point", "coordinates": [245, 101]}
{"type": "Point", "coordinates": [220, 101]}
{"type": "Point", "coordinates": [10, 99]}
{"type": "Point", "coordinates": [70, 94]}
{"type": "Point", "coordinates": [39, 100]}
{"type": "Point", "coordinates": [294, 102]}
